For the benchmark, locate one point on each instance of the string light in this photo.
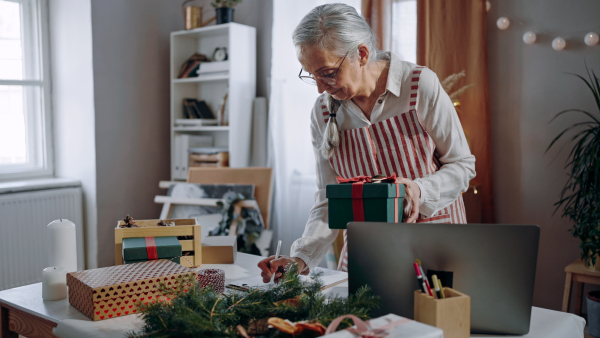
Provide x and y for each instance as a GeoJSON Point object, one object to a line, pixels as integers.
{"type": "Point", "coordinates": [591, 39]}
{"type": "Point", "coordinates": [503, 23]}
{"type": "Point", "coordinates": [529, 37]}
{"type": "Point", "coordinates": [559, 43]}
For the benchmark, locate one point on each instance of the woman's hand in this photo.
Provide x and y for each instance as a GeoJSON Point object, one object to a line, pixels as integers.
{"type": "Point", "coordinates": [414, 195]}
{"type": "Point", "coordinates": [270, 266]}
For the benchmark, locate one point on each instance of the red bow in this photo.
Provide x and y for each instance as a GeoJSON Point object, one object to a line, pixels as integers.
{"type": "Point", "coordinates": [369, 179]}
{"type": "Point", "coordinates": [358, 209]}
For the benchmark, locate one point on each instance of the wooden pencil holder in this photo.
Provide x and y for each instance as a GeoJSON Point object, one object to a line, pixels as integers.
{"type": "Point", "coordinates": [451, 314]}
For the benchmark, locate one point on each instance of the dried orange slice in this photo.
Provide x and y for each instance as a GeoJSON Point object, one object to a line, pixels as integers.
{"type": "Point", "coordinates": [318, 328]}
{"type": "Point", "coordinates": [282, 325]}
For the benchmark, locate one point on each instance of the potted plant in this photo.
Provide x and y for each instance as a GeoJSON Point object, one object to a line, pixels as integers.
{"type": "Point", "coordinates": [224, 9]}
{"type": "Point", "coordinates": [580, 197]}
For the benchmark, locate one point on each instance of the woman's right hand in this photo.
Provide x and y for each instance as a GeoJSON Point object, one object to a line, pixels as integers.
{"type": "Point", "coordinates": [270, 266]}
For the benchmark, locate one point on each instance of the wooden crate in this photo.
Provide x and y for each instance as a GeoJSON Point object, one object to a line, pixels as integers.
{"type": "Point", "coordinates": [451, 314]}
{"type": "Point", "coordinates": [149, 228]}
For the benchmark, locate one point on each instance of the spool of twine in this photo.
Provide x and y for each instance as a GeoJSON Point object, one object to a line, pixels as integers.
{"type": "Point", "coordinates": [212, 277]}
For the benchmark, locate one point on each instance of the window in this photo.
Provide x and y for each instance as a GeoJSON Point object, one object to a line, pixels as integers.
{"type": "Point", "coordinates": [404, 29]}
{"type": "Point", "coordinates": [24, 91]}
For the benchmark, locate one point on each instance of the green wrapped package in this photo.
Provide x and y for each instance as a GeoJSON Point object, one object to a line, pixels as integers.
{"type": "Point", "coordinates": [373, 202]}
{"type": "Point", "coordinates": [136, 250]}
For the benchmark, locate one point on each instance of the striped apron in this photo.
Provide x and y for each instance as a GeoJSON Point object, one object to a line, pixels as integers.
{"type": "Point", "coordinates": [397, 145]}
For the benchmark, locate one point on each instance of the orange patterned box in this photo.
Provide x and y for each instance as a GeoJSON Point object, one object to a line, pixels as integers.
{"type": "Point", "coordinates": [113, 291]}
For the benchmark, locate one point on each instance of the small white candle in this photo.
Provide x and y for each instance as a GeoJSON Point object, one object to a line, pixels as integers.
{"type": "Point", "coordinates": [62, 244]}
{"type": "Point", "coordinates": [54, 283]}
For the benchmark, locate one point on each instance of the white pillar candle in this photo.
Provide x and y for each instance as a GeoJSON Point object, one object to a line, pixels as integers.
{"type": "Point", "coordinates": [54, 283]}
{"type": "Point", "coordinates": [62, 244]}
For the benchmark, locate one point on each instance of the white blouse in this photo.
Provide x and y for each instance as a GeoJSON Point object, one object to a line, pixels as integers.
{"type": "Point", "coordinates": [438, 117]}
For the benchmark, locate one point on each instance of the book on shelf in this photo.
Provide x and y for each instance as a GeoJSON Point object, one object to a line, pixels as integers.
{"type": "Point", "coordinates": [196, 109]}
{"type": "Point", "coordinates": [183, 142]}
{"type": "Point", "coordinates": [190, 67]}
{"type": "Point", "coordinates": [213, 67]}
{"type": "Point", "coordinates": [192, 123]}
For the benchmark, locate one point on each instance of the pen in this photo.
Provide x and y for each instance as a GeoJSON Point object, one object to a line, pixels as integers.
{"type": "Point", "coordinates": [276, 257]}
{"type": "Point", "coordinates": [418, 261]}
{"type": "Point", "coordinates": [436, 285]}
{"type": "Point", "coordinates": [419, 277]}
{"type": "Point", "coordinates": [441, 289]}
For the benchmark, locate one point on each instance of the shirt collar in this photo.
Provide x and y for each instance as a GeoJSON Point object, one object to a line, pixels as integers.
{"type": "Point", "coordinates": [394, 79]}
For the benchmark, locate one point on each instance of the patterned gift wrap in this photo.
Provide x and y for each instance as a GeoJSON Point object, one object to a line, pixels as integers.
{"type": "Point", "coordinates": [212, 277]}
{"type": "Point", "coordinates": [113, 291]}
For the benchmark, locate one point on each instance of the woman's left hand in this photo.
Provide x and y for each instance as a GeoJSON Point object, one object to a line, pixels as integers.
{"type": "Point", "coordinates": [414, 193]}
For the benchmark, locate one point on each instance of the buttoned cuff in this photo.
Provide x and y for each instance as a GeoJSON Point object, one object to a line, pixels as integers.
{"type": "Point", "coordinates": [427, 202]}
{"type": "Point", "coordinates": [309, 263]}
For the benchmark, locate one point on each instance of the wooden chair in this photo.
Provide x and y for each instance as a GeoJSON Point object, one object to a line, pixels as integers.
{"type": "Point", "coordinates": [260, 177]}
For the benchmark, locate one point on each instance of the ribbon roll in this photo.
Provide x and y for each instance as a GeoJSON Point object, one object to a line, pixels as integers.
{"type": "Point", "coordinates": [364, 330]}
{"type": "Point", "coordinates": [214, 278]}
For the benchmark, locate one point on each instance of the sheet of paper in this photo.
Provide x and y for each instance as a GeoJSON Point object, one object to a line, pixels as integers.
{"type": "Point", "coordinates": [328, 277]}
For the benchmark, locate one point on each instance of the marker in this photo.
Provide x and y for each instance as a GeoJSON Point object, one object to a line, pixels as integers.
{"type": "Point", "coordinates": [419, 277]}
{"type": "Point", "coordinates": [441, 289]}
{"type": "Point", "coordinates": [436, 285]}
{"type": "Point", "coordinates": [276, 257]}
{"type": "Point", "coordinates": [418, 261]}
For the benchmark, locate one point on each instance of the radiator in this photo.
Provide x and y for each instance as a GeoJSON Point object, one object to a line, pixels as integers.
{"type": "Point", "coordinates": [23, 220]}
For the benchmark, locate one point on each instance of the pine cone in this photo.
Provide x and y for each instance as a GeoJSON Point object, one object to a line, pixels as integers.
{"type": "Point", "coordinates": [129, 222]}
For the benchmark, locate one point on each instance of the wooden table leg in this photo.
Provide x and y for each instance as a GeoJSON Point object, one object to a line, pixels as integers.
{"type": "Point", "coordinates": [5, 331]}
{"type": "Point", "coordinates": [567, 293]}
{"type": "Point", "coordinates": [578, 293]}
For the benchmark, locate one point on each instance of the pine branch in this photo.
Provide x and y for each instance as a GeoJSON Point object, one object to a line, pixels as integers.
{"type": "Point", "coordinates": [204, 313]}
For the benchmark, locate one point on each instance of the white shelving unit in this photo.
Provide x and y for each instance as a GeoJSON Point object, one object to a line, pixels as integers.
{"type": "Point", "coordinates": [239, 83]}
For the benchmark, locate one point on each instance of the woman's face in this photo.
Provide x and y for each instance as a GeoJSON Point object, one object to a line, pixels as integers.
{"type": "Point", "coordinates": [323, 63]}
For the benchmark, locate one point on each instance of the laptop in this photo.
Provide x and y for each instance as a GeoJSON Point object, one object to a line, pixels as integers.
{"type": "Point", "coordinates": [494, 264]}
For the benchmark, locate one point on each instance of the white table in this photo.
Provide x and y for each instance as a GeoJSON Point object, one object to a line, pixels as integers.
{"type": "Point", "coordinates": [27, 303]}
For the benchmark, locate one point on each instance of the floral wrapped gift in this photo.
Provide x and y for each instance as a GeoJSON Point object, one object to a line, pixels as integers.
{"type": "Point", "coordinates": [391, 326]}
{"type": "Point", "coordinates": [114, 291]}
{"type": "Point", "coordinates": [365, 199]}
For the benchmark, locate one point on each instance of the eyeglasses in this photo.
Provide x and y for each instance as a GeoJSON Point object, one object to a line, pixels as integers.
{"type": "Point", "coordinates": [328, 79]}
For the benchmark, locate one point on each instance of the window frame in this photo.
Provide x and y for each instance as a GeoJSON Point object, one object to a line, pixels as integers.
{"type": "Point", "coordinates": [39, 131]}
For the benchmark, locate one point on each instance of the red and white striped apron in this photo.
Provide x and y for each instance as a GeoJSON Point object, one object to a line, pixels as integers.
{"type": "Point", "coordinates": [397, 145]}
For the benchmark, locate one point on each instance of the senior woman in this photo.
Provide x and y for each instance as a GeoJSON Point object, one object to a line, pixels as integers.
{"type": "Point", "coordinates": [376, 115]}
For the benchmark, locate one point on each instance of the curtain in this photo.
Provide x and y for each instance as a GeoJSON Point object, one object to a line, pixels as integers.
{"type": "Point", "coordinates": [378, 14]}
{"type": "Point", "coordinates": [290, 151]}
{"type": "Point", "coordinates": [451, 36]}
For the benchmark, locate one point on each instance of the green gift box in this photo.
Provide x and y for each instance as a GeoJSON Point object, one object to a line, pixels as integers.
{"type": "Point", "coordinates": [364, 202]}
{"type": "Point", "coordinates": [142, 249]}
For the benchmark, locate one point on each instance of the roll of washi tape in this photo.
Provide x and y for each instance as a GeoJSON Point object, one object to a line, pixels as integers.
{"type": "Point", "coordinates": [212, 277]}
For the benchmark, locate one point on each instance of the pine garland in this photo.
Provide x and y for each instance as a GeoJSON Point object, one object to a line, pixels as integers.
{"type": "Point", "coordinates": [204, 313]}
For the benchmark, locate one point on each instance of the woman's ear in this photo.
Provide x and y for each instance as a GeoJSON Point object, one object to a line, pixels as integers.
{"type": "Point", "coordinates": [363, 54]}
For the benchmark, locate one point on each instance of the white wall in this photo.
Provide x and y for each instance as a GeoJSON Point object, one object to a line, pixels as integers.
{"type": "Point", "coordinates": [73, 105]}
{"type": "Point", "coordinates": [528, 86]}
{"type": "Point", "coordinates": [131, 81]}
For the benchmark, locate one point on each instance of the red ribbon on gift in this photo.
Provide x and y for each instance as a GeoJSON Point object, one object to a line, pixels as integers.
{"type": "Point", "coordinates": [363, 330]}
{"type": "Point", "coordinates": [151, 248]}
{"type": "Point", "coordinates": [358, 209]}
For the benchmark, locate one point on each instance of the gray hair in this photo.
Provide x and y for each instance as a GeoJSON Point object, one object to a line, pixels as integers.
{"type": "Point", "coordinates": [336, 28]}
